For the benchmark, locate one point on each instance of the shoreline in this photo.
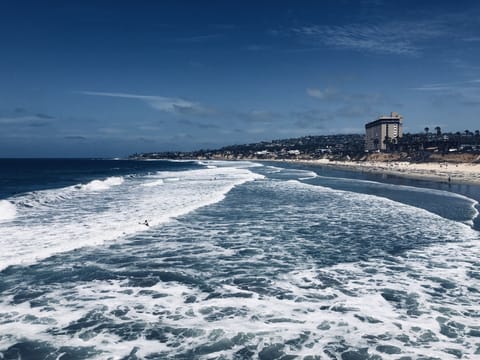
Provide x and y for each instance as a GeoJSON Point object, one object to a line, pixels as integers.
{"type": "Point", "coordinates": [436, 171]}
{"type": "Point", "coordinates": [454, 173]}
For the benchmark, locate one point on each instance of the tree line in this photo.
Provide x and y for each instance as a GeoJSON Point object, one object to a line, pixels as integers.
{"type": "Point", "coordinates": [435, 141]}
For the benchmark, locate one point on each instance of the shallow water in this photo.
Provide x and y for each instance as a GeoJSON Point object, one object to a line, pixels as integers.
{"type": "Point", "coordinates": [240, 261]}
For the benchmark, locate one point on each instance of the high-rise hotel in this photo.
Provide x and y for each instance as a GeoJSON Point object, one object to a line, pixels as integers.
{"type": "Point", "coordinates": [384, 129]}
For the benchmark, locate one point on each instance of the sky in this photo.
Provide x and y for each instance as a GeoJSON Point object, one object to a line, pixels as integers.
{"type": "Point", "coordinates": [111, 78]}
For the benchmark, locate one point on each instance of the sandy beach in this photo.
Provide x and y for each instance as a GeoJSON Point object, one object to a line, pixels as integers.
{"type": "Point", "coordinates": [435, 171]}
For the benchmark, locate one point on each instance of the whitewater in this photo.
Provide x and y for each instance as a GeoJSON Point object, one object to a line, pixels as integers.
{"type": "Point", "coordinates": [105, 209]}
{"type": "Point", "coordinates": [241, 260]}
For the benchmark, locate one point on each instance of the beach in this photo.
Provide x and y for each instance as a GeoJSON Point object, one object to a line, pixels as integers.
{"type": "Point", "coordinates": [433, 171]}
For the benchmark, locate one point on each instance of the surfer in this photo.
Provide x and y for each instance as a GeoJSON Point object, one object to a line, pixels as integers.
{"type": "Point", "coordinates": [145, 223]}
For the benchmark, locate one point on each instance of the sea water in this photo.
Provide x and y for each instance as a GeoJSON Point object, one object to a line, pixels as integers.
{"type": "Point", "coordinates": [240, 260]}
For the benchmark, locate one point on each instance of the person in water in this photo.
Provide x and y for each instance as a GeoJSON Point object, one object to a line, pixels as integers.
{"type": "Point", "coordinates": [145, 223]}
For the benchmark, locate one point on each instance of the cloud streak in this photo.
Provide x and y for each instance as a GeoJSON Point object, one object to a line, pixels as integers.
{"type": "Point", "coordinates": [466, 92]}
{"type": "Point", "coordinates": [75, 137]}
{"type": "Point", "coordinates": [391, 37]}
{"type": "Point", "coordinates": [331, 95]}
{"type": "Point", "coordinates": [38, 120]}
{"type": "Point", "coordinates": [166, 104]}
{"type": "Point", "coordinates": [459, 85]}
{"type": "Point", "coordinates": [327, 94]}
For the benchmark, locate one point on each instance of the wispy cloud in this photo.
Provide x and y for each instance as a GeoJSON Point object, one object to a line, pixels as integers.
{"type": "Point", "coordinates": [38, 120]}
{"type": "Point", "coordinates": [472, 39]}
{"type": "Point", "coordinates": [434, 87]}
{"type": "Point", "coordinates": [161, 103]}
{"type": "Point", "coordinates": [309, 119]}
{"type": "Point", "coordinates": [332, 95]}
{"type": "Point", "coordinates": [466, 92]}
{"type": "Point", "coordinates": [459, 85]}
{"type": "Point", "coordinates": [328, 93]}
{"type": "Point", "coordinates": [391, 37]}
{"type": "Point", "coordinates": [75, 137]}
{"type": "Point", "coordinates": [44, 116]}
{"type": "Point", "coordinates": [340, 105]}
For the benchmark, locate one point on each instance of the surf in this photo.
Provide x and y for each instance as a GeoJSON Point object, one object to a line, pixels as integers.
{"type": "Point", "coordinates": [276, 267]}
{"type": "Point", "coordinates": [57, 220]}
{"type": "Point", "coordinates": [7, 210]}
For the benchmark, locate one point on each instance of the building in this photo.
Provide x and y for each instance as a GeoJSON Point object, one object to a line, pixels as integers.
{"type": "Point", "coordinates": [380, 132]}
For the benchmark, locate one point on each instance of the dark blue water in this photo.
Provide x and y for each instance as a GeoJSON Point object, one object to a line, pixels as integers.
{"type": "Point", "coordinates": [239, 261]}
{"type": "Point", "coordinates": [23, 175]}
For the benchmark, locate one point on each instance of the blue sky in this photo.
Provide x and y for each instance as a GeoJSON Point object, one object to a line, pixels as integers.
{"type": "Point", "coordinates": [110, 78]}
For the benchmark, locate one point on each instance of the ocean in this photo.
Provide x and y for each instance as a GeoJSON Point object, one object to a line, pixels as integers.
{"type": "Point", "coordinates": [240, 260]}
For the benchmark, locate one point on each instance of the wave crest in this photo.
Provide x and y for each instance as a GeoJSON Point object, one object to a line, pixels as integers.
{"type": "Point", "coordinates": [7, 210]}
{"type": "Point", "coordinates": [98, 185]}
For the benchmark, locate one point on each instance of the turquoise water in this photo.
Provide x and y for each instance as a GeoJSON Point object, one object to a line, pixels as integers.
{"type": "Point", "coordinates": [241, 260]}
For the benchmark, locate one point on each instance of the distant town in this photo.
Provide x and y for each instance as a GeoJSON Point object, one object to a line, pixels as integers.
{"type": "Point", "coordinates": [382, 136]}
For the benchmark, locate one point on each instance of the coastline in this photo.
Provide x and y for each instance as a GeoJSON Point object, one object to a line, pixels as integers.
{"type": "Point", "coordinates": [455, 173]}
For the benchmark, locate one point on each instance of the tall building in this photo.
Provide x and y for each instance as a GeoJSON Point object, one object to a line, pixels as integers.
{"type": "Point", "coordinates": [379, 132]}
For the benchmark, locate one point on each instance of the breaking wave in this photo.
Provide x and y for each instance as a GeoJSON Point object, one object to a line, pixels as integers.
{"type": "Point", "coordinates": [56, 220]}
{"type": "Point", "coordinates": [7, 210]}
{"type": "Point", "coordinates": [98, 185]}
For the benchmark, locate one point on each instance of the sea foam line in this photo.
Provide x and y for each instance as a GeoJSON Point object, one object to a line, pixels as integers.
{"type": "Point", "coordinates": [110, 210]}
{"type": "Point", "coordinates": [473, 204]}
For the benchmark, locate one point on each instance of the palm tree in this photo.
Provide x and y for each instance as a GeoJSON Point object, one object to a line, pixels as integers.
{"type": "Point", "coordinates": [387, 141]}
{"type": "Point", "coordinates": [459, 138]}
{"type": "Point", "coordinates": [438, 130]}
{"type": "Point", "coordinates": [396, 142]}
{"type": "Point", "coordinates": [424, 145]}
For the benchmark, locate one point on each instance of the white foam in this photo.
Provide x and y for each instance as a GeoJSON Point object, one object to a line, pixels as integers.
{"type": "Point", "coordinates": [237, 163]}
{"type": "Point", "coordinates": [98, 185]}
{"type": "Point", "coordinates": [53, 221]}
{"type": "Point", "coordinates": [385, 204]}
{"type": "Point", "coordinates": [154, 183]}
{"type": "Point", "coordinates": [53, 197]}
{"type": "Point", "coordinates": [298, 173]}
{"type": "Point", "coordinates": [314, 294]}
{"type": "Point", "coordinates": [402, 187]}
{"type": "Point", "coordinates": [171, 179]}
{"type": "Point", "coordinates": [7, 210]}
{"type": "Point", "coordinates": [396, 187]}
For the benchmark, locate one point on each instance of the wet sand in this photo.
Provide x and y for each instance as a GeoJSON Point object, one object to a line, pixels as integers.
{"type": "Point", "coordinates": [434, 171]}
